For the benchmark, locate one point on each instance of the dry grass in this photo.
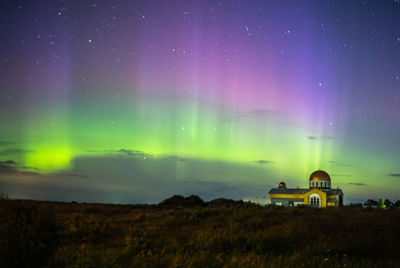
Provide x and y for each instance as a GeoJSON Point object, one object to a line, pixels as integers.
{"type": "Point", "coordinates": [87, 235]}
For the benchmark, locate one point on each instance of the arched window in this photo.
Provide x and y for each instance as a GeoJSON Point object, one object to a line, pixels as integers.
{"type": "Point", "coordinates": [315, 200]}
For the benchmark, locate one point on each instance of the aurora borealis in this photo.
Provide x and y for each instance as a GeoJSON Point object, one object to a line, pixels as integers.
{"type": "Point", "coordinates": [133, 101]}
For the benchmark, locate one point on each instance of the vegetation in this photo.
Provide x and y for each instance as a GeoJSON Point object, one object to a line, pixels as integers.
{"type": "Point", "coordinates": [196, 234]}
{"type": "Point", "coordinates": [382, 204]}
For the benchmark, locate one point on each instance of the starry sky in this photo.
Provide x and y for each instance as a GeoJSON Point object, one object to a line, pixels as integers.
{"type": "Point", "coordinates": [133, 101]}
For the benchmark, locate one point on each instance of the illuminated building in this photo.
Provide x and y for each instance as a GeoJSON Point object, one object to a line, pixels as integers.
{"type": "Point", "coordinates": [319, 193]}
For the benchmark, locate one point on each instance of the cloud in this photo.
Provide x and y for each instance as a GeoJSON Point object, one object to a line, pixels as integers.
{"type": "Point", "coordinates": [320, 138]}
{"type": "Point", "coordinates": [15, 151]}
{"type": "Point", "coordinates": [10, 167]}
{"type": "Point", "coordinates": [6, 169]}
{"type": "Point", "coordinates": [126, 152]}
{"type": "Point", "coordinates": [264, 162]}
{"type": "Point", "coordinates": [29, 168]}
{"type": "Point", "coordinates": [209, 190]}
{"type": "Point", "coordinates": [72, 175]}
{"type": "Point", "coordinates": [112, 178]}
{"type": "Point", "coordinates": [8, 162]}
{"type": "Point", "coordinates": [394, 174]}
{"type": "Point", "coordinates": [357, 183]}
{"type": "Point", "coordinates": [121, 152]}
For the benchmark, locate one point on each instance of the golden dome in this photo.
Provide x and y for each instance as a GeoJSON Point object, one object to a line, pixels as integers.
{"type": "Point", "coordinates": [320, 175]}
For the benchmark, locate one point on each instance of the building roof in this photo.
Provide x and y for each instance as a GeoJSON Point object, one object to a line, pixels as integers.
{"type": "Point", "coordinates": [335, 191]}
{"type": "Point", "coordinates": [302, 191]}
{"type": "Point", "coordinates": [288, 191]}
{"type": "Point", "coordinates": [320, 175]}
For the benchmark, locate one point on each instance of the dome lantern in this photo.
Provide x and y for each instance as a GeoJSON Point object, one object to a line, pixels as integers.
{"type": "Point", "coordinates": [320, 179]}
{"type": "Point", "coordinates": [282, 185]}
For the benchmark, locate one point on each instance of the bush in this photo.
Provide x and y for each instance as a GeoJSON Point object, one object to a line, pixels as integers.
{"type": "Point", "coordinates": [180, 201]}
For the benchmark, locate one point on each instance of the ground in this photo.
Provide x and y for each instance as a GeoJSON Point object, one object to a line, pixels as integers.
{"type": "Point", "coordinates": [219, 234]}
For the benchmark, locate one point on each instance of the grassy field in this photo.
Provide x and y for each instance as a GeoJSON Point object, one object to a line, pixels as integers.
{"type": "Point", "coordinates": [216, 234]}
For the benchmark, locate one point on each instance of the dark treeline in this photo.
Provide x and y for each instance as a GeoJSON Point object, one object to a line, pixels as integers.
{"type": "Point", "coordinates": [380, 203]}
{"type": "Point", "coordinates": [187, 232]}
{"type": "Point", "coordinates": [383, 204]}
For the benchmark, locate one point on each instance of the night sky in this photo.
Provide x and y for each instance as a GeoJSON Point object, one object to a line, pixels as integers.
{"type": "Point", "coordinates": [133, 101]}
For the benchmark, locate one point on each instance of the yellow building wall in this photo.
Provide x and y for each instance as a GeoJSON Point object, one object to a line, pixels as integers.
{"type": "Point", "coordinates": [322, 194]}
{"type": "Point", "coordinates": [333, 196]}
{"type": "Point", "coordinates": [286, 195]}
{"type": "Point", "coordinates": [306, 197]}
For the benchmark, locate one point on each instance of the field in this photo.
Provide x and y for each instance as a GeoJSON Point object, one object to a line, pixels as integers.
{"type": "Point", "coordinates": [219, 234]}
